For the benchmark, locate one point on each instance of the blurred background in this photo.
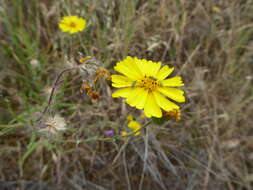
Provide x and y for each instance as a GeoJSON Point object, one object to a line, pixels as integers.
{"type": "Point", "coordinates": [210, 44]}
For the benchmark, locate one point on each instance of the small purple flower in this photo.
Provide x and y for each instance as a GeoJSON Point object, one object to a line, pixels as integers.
{"type": "Point", "coordinates": [109, 132]}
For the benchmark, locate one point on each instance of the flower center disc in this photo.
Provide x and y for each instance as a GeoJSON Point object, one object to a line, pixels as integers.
{"type": "Point", "coordinates": [72, 24]}
{"type": "Point", "coordinates": [148, 83]}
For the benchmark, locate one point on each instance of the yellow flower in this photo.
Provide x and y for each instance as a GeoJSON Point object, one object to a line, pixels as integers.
{"type": "Point", "coordinates": [216, 9]}
{"type": "Point", "coordinates": [135, 127]}
{"type": "Point", "coordinates": [72, 24]}
{"type": "Point", "coordinates": [123, 133]}
{"type": "Point", "coordinates": [144, 85]}
{"type": "Point", "coordinates": [142, 116]}
{"type": "Point", "coordinates": [130, 117]}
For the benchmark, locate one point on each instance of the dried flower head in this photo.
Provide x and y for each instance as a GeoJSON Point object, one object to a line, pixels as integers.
{"type": "Point", "coordinates": [144, 84]}
{"type": "Point", "coordinates": [103, 73]}
{"type": "Point", "coordinates": [85, 87]}
{"type": "Point", "coordinates": [89, 68]}
{"type": "Point", "coordinates": [53, 125]}
{"type": "Point", "coordinates": [174, 114]}
{"type": "Point", "coordinates": [93, 94]}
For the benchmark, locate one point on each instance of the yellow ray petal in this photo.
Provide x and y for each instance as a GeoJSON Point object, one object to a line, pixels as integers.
{"type": "Point", "coordinates": [121, 81]}
{"type": "Point", "coordinates": [132, 98]}
{"type": "Point", "coordinates": [151, 108]}
{"type": "Point", "coordinates": [148, 68]}
{"type": "Point", "coordinates": [173, 93]}
{"type": "Point", "coordinates": [164, 103]}
{"type": "Point", "coordinates": [142, 98]}
{"type": "Point", "coordinates": [137, 98]}
{"type": "Point", "coordinates": [174, 81]}
{"type": "Point", "coordinates": [128, 68]}
{"type": "Point", "coordinates": [164, 72]}
{"type": "Point", "coordinates": [124, 92]}
{"type": "Point", "coordinates": [153, 68]}
{"type": "Point", "coordinates": [142, 64]}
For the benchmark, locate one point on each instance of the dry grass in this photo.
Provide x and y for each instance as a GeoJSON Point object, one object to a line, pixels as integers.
{"type": "Point", "coordinates": [210, 148]}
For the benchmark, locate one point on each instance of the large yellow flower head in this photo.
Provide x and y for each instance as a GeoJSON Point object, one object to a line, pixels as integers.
{"type": "Point", "coordinates": [144, 85]}
{"type": "Point", "coordinates": [72, 24]}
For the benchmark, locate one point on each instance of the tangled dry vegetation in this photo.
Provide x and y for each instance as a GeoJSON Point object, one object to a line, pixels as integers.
{"type": "Point", "coordinates": [208, 42]}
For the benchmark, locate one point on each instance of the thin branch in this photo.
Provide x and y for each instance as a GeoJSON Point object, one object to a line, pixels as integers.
{"type": "Point", "coordinates": [55, 85]}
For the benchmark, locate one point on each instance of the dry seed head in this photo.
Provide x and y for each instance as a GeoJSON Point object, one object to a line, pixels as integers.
{"type": "Point", "coordinates": [53, 125]}
{"type": "Point", "coordinates": [47, 91]}
{"type": "Point", "coordinates": [89, 70]}
{"type": "Point", "coordinates": [34, 62]}
{"type": "Point", "coordinates": [230, 144]}
{"type": "Point", "coordinates": [69, 62]}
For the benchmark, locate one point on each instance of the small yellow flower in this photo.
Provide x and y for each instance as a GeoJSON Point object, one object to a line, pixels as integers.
{"type": "Point", "coordinates": [135, 127]}
{"type": "Point", "coordinates": [72, 24]}
{"type": "Point", "coordinates": [130, 117]}
{"type": "Point", "coordinates": [123, 133]}
{"type": "Point", "coordinates": [144, 85]}
{"type": "Point", "coordinates": [142, 116]}
{"type": "Point", "coordinates": [216, 9]}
